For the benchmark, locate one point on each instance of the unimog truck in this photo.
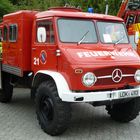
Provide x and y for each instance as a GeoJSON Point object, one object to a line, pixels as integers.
{"type": "Point", "coordinates": [67, 56]}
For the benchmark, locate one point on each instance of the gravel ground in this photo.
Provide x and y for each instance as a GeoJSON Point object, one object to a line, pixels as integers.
{"type": "Point", "coordinates": [18, 122]}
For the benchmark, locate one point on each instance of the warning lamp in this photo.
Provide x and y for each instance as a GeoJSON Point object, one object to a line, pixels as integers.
{"type": "Point", "coordinates": [90, 10]}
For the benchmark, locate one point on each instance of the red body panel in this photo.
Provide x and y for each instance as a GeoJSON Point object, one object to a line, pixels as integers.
{"type": "Point", "coordinates": [122, 8]}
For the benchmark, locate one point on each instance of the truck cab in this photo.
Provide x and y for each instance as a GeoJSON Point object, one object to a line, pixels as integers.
{"type": "Point", "coordinates": [77, 45]}
{"type": "Point", "coordinates": [67, 56]}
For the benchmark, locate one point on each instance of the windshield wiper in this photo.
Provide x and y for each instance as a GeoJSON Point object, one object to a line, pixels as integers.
{"type": "Point", "coordinates": [82, 39]}
{"type": "Point", "coordinates": [117, 42]}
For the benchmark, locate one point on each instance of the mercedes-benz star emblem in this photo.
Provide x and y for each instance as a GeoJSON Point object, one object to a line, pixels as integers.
{"type": "Point", "coordinates": [117, 75]}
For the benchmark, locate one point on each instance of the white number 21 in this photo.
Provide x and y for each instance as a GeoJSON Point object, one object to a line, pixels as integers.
{"type": "Point", "coordinates": [36, 61]}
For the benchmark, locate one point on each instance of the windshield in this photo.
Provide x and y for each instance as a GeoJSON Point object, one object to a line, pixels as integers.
{"type": "Point", "coordinates": [77, 31]}
{"type": "Point", "coordinates": [111, 32]}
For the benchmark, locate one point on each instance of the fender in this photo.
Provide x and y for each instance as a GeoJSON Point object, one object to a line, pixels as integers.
{"type": "Point", "coordinates": [61, 83]}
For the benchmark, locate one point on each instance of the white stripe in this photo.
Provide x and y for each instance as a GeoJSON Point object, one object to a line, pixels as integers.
{"type": "Point", "coordinates": [110, 76]}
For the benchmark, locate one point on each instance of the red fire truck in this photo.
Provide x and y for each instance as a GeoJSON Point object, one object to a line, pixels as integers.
{"type": "Point", "coordinates": [67, 56]}
{"type": "Point", "coordinates": [130, 12]}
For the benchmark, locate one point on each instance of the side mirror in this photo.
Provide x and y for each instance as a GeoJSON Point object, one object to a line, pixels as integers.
{"type": "Point", "coordinates": [41, 34]}
{"type": "Point", "coordinates": [137, 37]}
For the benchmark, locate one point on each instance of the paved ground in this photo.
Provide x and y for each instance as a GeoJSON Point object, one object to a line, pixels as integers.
{"type": "Point", "coordinates": [18, 122]}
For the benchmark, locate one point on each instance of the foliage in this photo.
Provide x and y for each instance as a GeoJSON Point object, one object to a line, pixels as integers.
{"type": "Point", "coordinates": [7, 6]}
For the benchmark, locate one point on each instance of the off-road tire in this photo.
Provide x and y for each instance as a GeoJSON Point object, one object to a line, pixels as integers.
{"type": "Point", "coordinates": [7, 89]}
{"type": "Point", "coordinates": [124, 112]}
{"type": "Point", "coordinates": [53, 114]}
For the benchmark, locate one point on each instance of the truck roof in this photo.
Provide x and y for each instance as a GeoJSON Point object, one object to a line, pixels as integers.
{"type": "Point", "coordinates": [70, 12]}
{"type": "Point", "coordinates": [62, 12]}
{"type": "Point", "coordinates": [18, 14]}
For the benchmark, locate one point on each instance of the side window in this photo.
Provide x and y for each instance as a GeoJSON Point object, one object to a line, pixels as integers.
{"type": "Point", "coordinates": [45, 32]}
{"type": "Point", "coordinates": [5, 31]}
{"type": "Point", "coordinates": [41, 34]}
{"type": "Point", "coordinates": [13, 33]}
{"type": "Point", "coordinates": [131, 19]}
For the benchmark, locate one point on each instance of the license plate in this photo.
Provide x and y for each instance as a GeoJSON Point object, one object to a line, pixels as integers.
{"type": "Point", "coordinates": [125, 94]}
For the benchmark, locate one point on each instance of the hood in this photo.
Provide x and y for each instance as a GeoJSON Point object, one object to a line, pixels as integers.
{"type": "Point", "coordinates": [104, 56]}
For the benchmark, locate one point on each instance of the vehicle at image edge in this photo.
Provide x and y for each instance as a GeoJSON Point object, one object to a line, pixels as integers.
{"type": "Point", "coordinates": [0, 39]}
{"type": "Point", "coordinates": [130, 12]}
{"type": "Point", "coordinates": [67, 56]}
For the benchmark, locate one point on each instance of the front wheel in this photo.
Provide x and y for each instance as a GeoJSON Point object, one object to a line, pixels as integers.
{"type": "Point", "coordinates": [125, 112]}
{"type": "Point", "coordinates": [53, 114]}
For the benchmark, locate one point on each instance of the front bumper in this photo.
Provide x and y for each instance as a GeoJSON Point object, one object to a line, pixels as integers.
{"type": "Point", "coordinates": [100, 95]}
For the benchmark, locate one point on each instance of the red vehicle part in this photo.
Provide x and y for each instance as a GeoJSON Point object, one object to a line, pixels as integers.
{"type": "Point", "coordinates": [123, 8]}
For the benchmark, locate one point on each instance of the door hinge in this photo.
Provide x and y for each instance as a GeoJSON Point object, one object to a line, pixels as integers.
{"type": "Point", "coordinates": [58, 52]}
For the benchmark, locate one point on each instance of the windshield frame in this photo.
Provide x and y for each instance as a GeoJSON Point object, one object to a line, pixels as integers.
{"type": "Point", "coordinates": [112, 22]}
{"type": "Point", "coordinates": [80, 19]}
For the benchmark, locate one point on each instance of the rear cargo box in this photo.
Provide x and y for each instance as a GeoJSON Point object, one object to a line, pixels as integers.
{"type": "Point", "coordinates": [17, 38]}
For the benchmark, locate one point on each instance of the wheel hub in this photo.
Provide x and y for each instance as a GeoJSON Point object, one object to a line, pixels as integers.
{"type": "Point", "coordinates": [47, 108]}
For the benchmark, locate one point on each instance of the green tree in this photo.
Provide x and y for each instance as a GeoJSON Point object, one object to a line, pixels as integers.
{"type": "Point", "coordinates": [114, 6]}
{"type": "Point", "coordinates": [98, 5]}
{"type": "Point", "coordinates": [6, 7]}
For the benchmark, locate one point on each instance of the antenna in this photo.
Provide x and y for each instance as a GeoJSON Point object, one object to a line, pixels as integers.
{"type": "Point", "coordinates": [107, 7]}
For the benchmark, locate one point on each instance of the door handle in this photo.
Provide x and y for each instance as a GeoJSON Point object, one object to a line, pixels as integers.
{"type": "Point", "coordinates": [33, 49]}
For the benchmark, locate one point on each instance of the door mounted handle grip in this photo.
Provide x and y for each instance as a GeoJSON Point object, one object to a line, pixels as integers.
{"type": "Point", "coordinates": [33, 49]}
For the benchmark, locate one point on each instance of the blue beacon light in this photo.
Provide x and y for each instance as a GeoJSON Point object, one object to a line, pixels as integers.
{"type": "Point", "coordinates": [90, 10]}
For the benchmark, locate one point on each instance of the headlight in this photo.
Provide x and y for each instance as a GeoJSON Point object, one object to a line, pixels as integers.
{"type": "Point", "coordinates": [137, 76]}
{"type": "Point", "coordinates": [89, 79]}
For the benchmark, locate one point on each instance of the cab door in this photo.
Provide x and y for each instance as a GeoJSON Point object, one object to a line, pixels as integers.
{"type": "Point", "coordinates": [44, 46]}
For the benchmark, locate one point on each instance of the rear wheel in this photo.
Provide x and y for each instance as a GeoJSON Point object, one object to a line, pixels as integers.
{"type": "Point", "coordinates": [7, 89]}
{"type": "Point", "coordinates": [125, 112]}
{"type": "Point", "coordinates": [53, 114]}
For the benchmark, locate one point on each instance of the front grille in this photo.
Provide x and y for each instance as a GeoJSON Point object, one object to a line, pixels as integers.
{"type": "Point", "coordinates": [108, 72]}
